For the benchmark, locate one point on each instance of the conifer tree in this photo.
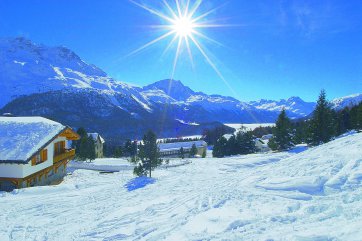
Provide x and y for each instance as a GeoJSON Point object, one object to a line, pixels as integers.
{"type": "Point", "coordinates": [322, 126]}
{"type": "Point", "coordinates": [193, 150]}
{"type": "Point", "coordinates": [182, 153]}
{"type": "Point", "coordinates": [342, 121]}
{"type": "Point", "coordinates": [356, 117]}
{"type": "Point", "coordinates": [300, 132]}
{"type": "Point", "coordinates": [82, 148]}
{"type": "Point", "coordinates": [118, 152]}
{"type": "Point", "coordinates": [90, 149]}
{"type": "Point", "coordinates": [148, 154]}
{"type": "Point", "coordinates": [246, 143]}
{"type": "Point", "coordinates": [219, 147]}
{"type": "Point", "coordinates": [204, 154]}
{"type": "Point", "coordinates": [231, 146]}
{"type": "Point", "coordinates": [282, 134]}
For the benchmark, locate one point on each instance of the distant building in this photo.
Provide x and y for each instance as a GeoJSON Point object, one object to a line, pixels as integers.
{"type": "Point", "coordinates": [98, 144]}
{"type": "Point", "coordinates": [262, 145]}
{"type": "Point", "coordinates": [173, 149]}
{"type": "Point", "coordinates": [33, 151]}
{"type": "Point", "coordinates": [267, 137]}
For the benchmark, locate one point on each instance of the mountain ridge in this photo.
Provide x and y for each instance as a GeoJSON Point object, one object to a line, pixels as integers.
{"type": "Point", "coordinates": [33, 72]}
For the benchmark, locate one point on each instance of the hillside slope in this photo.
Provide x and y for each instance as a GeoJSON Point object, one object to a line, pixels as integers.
{"type": "Point", "coordinates": [313, 194]}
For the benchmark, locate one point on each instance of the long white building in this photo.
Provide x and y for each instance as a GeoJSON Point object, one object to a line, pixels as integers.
{"type": "Point", "coordinates": [173, 149]}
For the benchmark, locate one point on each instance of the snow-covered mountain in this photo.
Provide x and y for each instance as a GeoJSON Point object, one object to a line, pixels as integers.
{"type": "Point", "coordinates": [56, 83]}
{"type": "Point", "coordinates": [294, 106]}
{"type": "Point", "coordinates": [27, 68]}
{"type": "Point", "coordinates": [347, 101]}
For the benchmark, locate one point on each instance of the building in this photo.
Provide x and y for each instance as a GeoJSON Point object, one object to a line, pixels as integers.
{"type": "Point", "coordinates": [33, 151]}
{"type": "Point", "coordinates": [98, 144]}
{"type": "Point", "coordinates": [262, 145]}
{"type": "Point", "coordinates": [173, 149]}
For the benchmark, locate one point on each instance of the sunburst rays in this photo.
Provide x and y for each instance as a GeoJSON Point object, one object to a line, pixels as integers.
{"type": "Point", "coordinates": [184, 25]}
{"type": "Point", "coordinates": [183, 28]}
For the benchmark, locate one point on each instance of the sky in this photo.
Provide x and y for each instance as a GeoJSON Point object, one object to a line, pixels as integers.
{"type": "Point", "coordinates": [267, 49]}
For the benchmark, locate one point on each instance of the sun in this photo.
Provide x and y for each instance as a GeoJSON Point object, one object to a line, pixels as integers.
{"type": "Point", "coordinates": [183, 24]}
{"type": "Point", "coordinates": [184, 27]}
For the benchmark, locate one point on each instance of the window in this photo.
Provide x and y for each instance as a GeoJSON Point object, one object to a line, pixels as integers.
{"type": "Point", "coordinates": [40, 157]}
{"type": "Point", "coordinates": [59, 148]}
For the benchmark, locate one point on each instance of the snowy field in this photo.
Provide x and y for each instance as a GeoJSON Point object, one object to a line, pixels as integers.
{"type": "Point", "coordinates": [314, 194]}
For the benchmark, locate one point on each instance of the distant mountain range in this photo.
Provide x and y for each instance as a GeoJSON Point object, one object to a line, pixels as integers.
{"type": "Point", "coordinates": [56, 83]}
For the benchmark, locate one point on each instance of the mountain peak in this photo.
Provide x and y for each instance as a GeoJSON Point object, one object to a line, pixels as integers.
{"type": "Point", "coordinates": [296, 99]}
{"type": "Point", "coordinates": [174, 88]}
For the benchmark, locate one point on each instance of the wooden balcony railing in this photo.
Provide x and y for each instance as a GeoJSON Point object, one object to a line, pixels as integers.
{"type": "Point", "coordinates": [67, 154]}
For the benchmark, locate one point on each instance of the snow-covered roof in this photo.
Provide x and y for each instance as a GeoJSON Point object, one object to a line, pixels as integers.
{"type": "Point", "coordinates": [267, 137]}
{"type": "Point", "coordinates": [22, 137]}
{"type": "Point", "coordinates": [95, 137]}
{"type": "Point", "coordinates": [178, 145]}
{"type": "Point", "coordinates": [262, 142]}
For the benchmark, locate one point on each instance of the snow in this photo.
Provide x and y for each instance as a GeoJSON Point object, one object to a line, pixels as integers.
{"type": "Point", "coordinates": [59, 73]}
{"type": "Point", "coordinates": [20, 137]}
{"type": "Point", "coordinates": [187, 123]}
{"type": "Point", "coordinates": [315, 194]}
{"type": "Point", "coordinates": [346, 101]}
{"type": "Point", "coordinates": [249, 127]}
{"type": "Point", "coordinates": [144, 106]}
{"type": "Point", "coordinates": [119, 164]}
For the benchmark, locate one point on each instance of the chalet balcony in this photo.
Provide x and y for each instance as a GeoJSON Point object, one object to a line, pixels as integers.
{"type": "Point", "coordinates": [67, 154]}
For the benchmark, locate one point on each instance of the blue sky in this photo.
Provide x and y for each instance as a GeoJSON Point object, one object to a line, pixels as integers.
{"type": "Point", "coordinates": [276, 49]}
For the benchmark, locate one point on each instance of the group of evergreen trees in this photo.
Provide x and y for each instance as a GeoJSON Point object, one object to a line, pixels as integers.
{"type": "Point", "coordinates": [324, 125]}
{"type": "Point", "coordinates": [282, 133]}
{"type": "Point", "coordinates": [242, 143]}
{"type": "Point", "coordinates": [85, 146]}
{"type": "Point", "coordinates": [191, 153]}
{"type": "Point", "coordinates": [211, 136]}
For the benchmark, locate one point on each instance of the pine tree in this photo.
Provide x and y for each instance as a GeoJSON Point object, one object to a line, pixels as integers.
{"type": "Point", "coordinates": [342, 121]}
{"type": "Point", "coordinates": [322, 126]}
{"type": "Point", "coordinates": [356, 117]}
{"type": "Point", "coordinates": [80, 144]}
{"type": "Point", "coordinates": [231, 146]}
{"type": "Point", "coordinates": [82, 152]}
{"type": "Point", "coordinates": [204, 154]}
{"type": "Point", "coordinates": [245, 143]}
{"type": "Point", "coordinates": [128, 147]}
{"type": "Point", "coordinates": [118, 152]}
{"type": "Point", "coordinates": [272, 145]}
{"type": "Point", "coordinates": [193, 150]}
{"type": "Point", "coordinates": [282, 135]}
{"type": "Point", "coordinates": [90, 149]}
{"type": "Point", "coordinates": [300, 135]}
{"type": "Point", "coordinates": [182, 153]}
{"type": "Point", "coordinates": [148, 154]}
{"type": "Point", "coordinates": [219, 148]}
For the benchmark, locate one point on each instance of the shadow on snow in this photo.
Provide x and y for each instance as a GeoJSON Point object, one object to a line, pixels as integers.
{"type": "Point", "coordinates": [139, 182]}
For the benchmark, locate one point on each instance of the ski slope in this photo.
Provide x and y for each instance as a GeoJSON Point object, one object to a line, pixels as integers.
{"type": "Point", "coordinates": [315, 194]}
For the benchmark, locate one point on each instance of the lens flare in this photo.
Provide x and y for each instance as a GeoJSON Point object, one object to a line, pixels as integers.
{"type": "Point", "coordinates": [184, 26]}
